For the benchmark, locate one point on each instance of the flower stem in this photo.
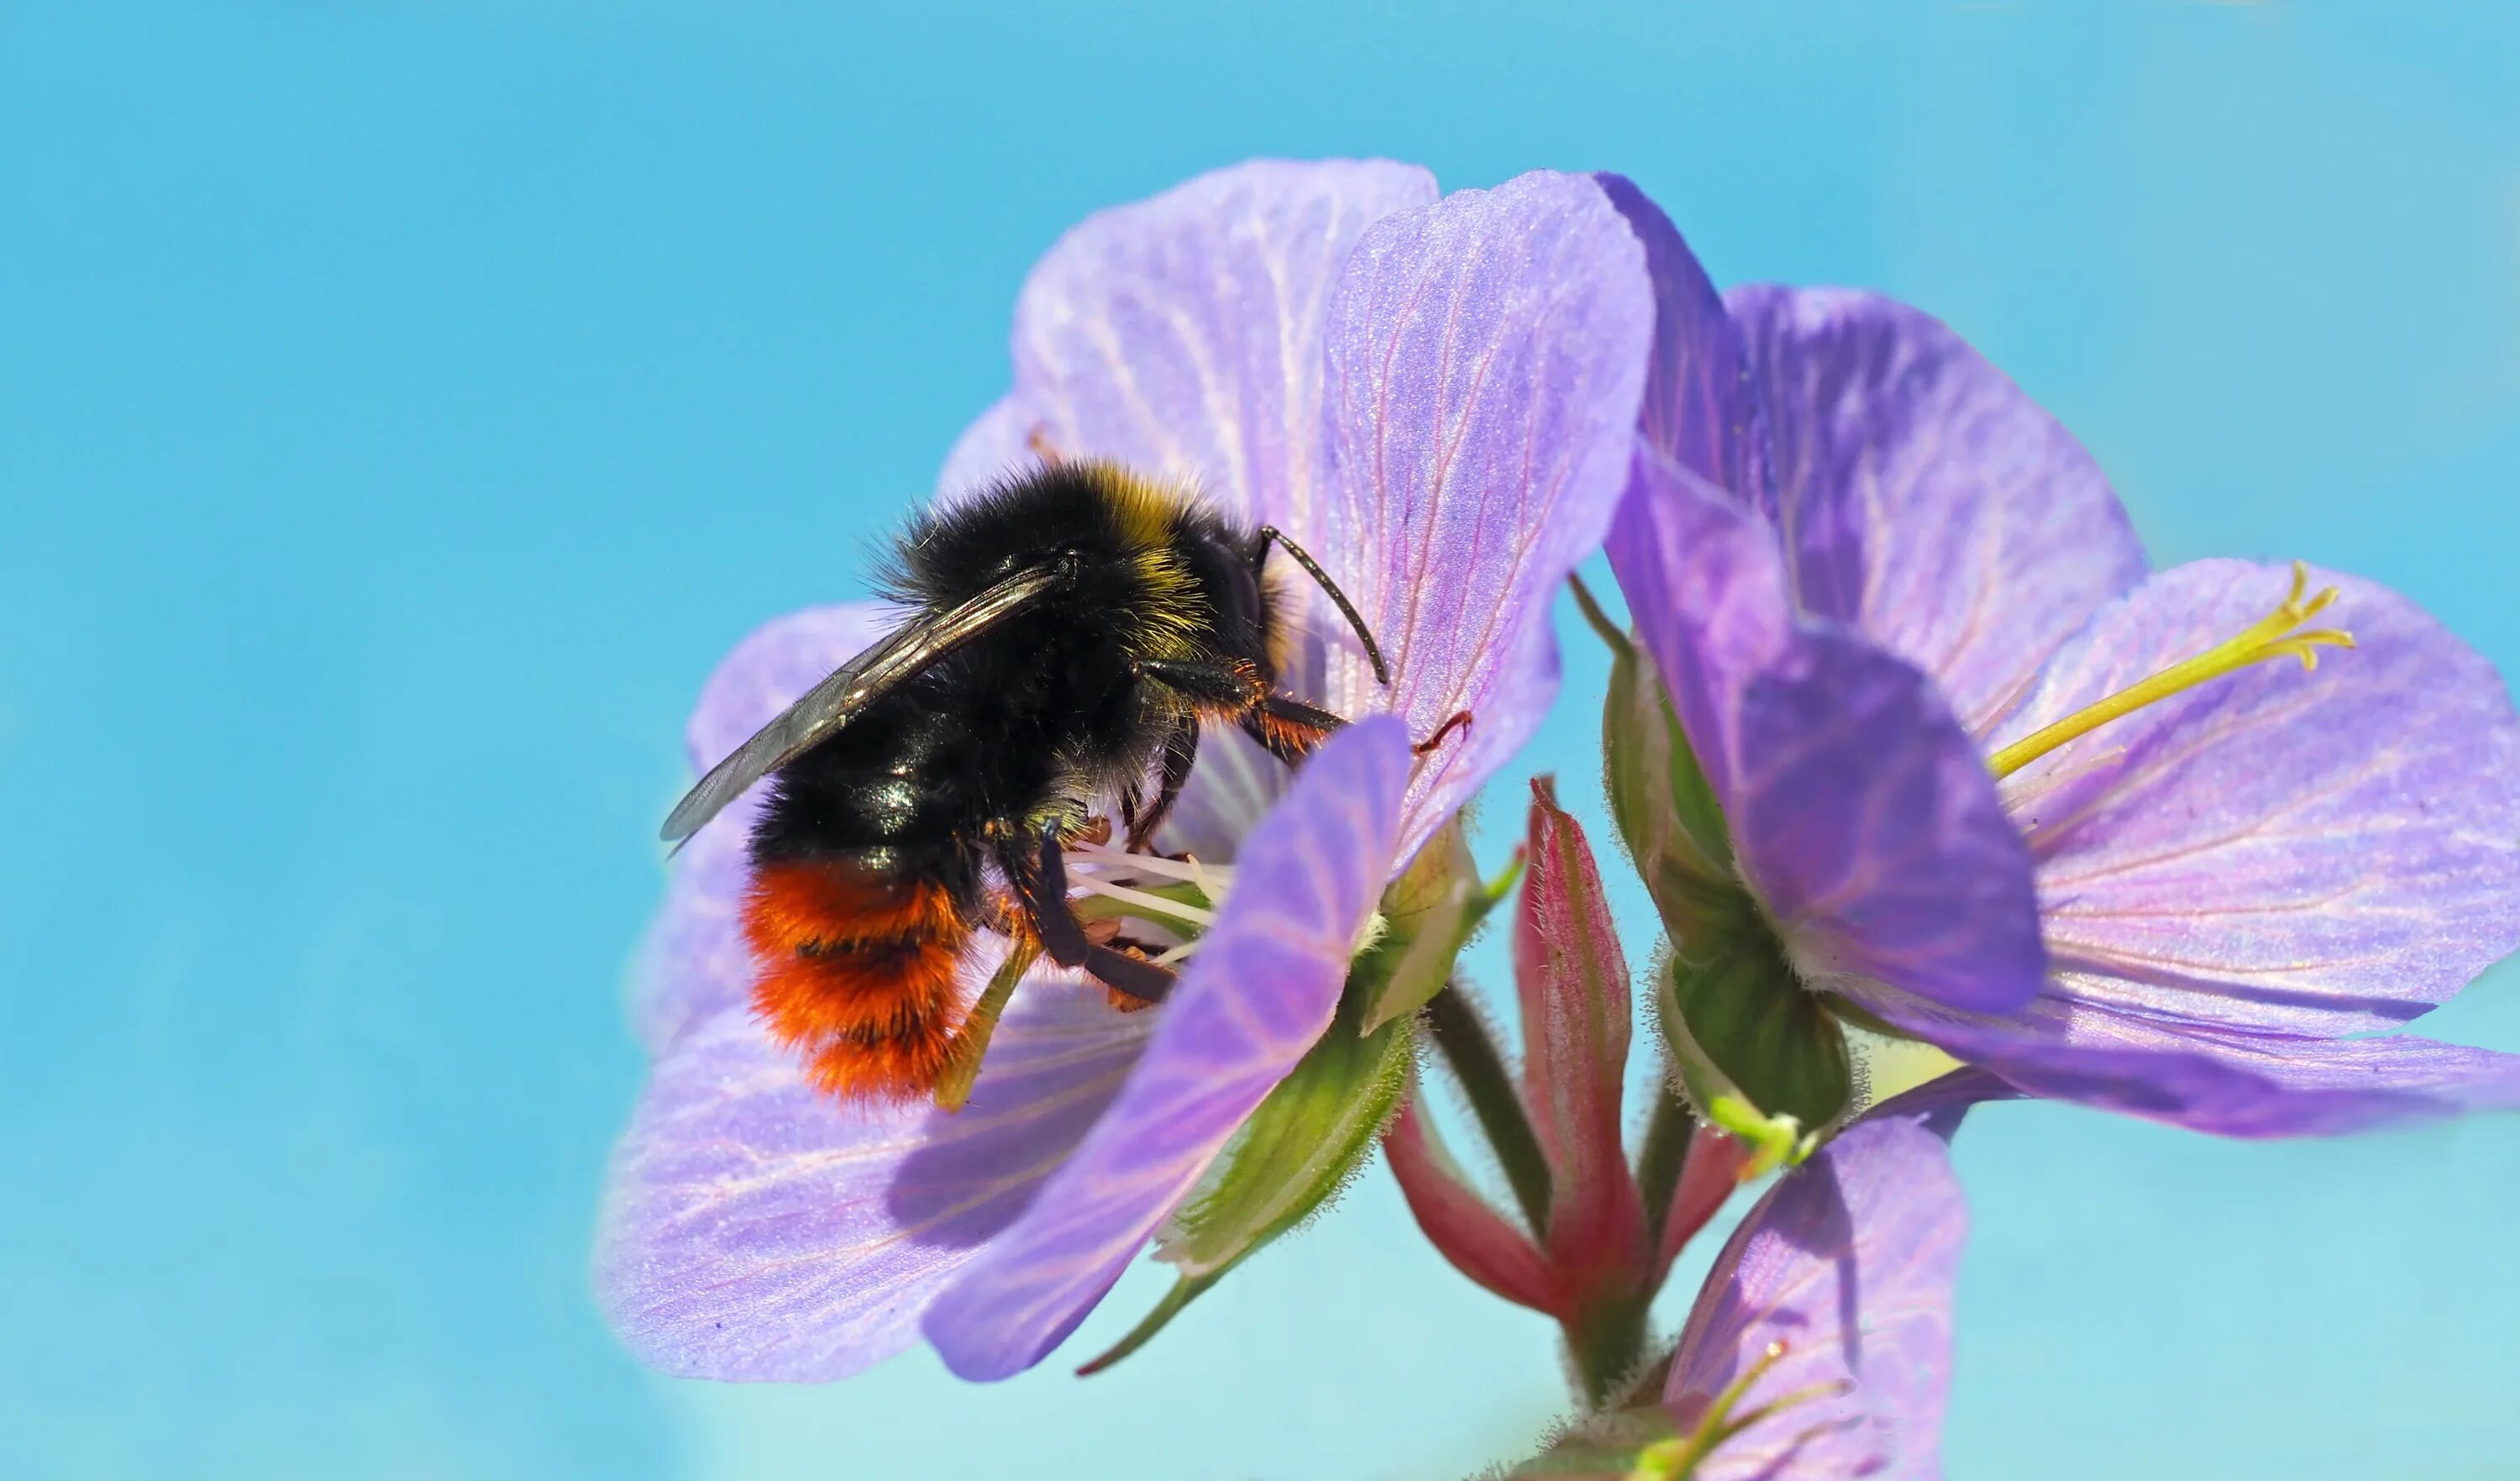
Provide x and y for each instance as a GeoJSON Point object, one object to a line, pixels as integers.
{"type": "Point", "coordinates": [1591, 606]}
{"type": "Point", "coordinates": [1663, 1157]}
{"type": "Point", "coordinates": [1607, 1345]}
{"type": "Point", "coordinates": [1471, 1052]}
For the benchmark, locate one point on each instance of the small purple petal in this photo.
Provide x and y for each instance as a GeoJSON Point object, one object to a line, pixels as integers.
{"type": "Point", "coordinates": [2308, 853]}
{"type": "Point", "coordinates": [1867, 823]}
{"type": "Point", "coordinates": [1181, 335]}
{"type": "Point", "coordinates": [1260, 991]}
{"type": "Point", "coordinates": [1486, 356]}
{"type": "Point", "coordinates": [756, 1229]}
{"type": "Point", "coordinates": [1924, 499]}
{"type": "Point", "coordinates": [694, 961]}
{"type": "Point", "coordinates": [1234, 786]}
{"type": "Point", "coordinates": [1861, 814]}
{"type": "Point", "coordinates": [2232, 1084]}
{"type": "Point", "coordinates": [1701, 409]}
{"type": "Point", "coordinates": [1706, 588]}
{"type": "Point", "coordinates": [1849, 1262]}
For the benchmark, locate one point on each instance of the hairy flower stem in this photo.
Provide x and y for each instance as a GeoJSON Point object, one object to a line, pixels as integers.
{"type": "Point", "coordinates": [1606, 1345]}
{"type": "Point", "coordinates": [1471, 1052]}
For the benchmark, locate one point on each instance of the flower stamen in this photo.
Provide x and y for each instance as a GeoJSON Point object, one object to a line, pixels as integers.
{"type": "Point", "coordinates": [2275, 636]}
{"type": "Point", "coordinates": [1678, 1457]}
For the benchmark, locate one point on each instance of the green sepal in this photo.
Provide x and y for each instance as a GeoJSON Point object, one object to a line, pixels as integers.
{"type": "Point", "coordinates": [1614, 1446]}
{"type": "Point", "coordinates": [1660, 800]}
{"type": "Point", "coordinates": [1430, 912]}
{"type": "Point", "coordinates": [1303, 1143]}
{"type": "Point", "coordinates": [1729, 1000]}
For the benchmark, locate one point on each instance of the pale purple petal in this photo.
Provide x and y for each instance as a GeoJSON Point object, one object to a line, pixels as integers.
{"type": "Point", "coordinates": [777, 661]}
{"type": "Point", "coordinates": [1866, 821]}
{"type": "Point", "coordinates": [2232, 1084]}
{"type": "Point", "coordinates": [2310, 853]}
{"type": "Point", "coordinates": [1486, 357]}
{"type": "Point", "coordinates": [694, 961]}
{"type": "Point", "coordinates": [1258, 994]}
{"type": "Point", "coordinates": [1849, 1262]}
{"type": "Point", "coordinates": [1705, 585]}
{"type": "Point", "coordinates": [1861, 814]}
{"type": "Point", "coordinates": [756, 1229]}
{"type": "Point", "coordinates": [998, 443]}
{"type": "Point", "coordinates": [1701, 409]}
{"type": "Point", "coordinates": [1923, 498]}
{"type": "Point", "coordinates": [1233, 786]}
{"type": "Point", "coordinates": [1181, 335]}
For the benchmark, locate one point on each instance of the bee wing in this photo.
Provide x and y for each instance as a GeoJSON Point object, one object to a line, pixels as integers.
{"type": "Point", "coordinates": [846, 694]}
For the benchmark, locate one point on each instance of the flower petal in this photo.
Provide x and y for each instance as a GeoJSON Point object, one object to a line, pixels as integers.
{"type": "Point", "coordinates": [694, 961]}
{"type": "Point", "coordinates": [1181, 335]}
{"type": "Point", "coordinates": [1262, 988]}
{"type": "Point", "coordinates": [1480, 1242]}
{"type": "Point", "coordinates": [1850, 1263]}
{"type": "Point", "coordinates": [1861, 814]}
{"type": "Point", "coordinates": [2232, 1084]}
{"type": "Point", "coordinates": [1924, 499]}
{"type": "Point", "coordinates": [774, 664]}
{"type": "Point", "coordinates": [2317, 853]}
{"type": "Point", "coordinates": [1486, 356]}
{"type": "Point", "coordinates": [756, 1229]}
{"type": "Point", "coordinates": [997, 443]}
{"type": "Point", "coordinates": [1701, 408]}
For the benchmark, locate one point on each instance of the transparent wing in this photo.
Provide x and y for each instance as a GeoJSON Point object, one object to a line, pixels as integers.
{"type": "Point", "coordinates": [847, 693]}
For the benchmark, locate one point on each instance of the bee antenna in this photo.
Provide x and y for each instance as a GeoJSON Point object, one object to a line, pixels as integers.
{"type": "Point", "coordinates": [1321, 577]}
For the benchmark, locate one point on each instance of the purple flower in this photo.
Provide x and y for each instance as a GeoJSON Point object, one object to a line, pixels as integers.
{"type": "Point", "coordinates": [1820, 1347]}
{"type": "Point", "coordinates": [1891, 602]}
{"type": "Point", "coordinates": [1435, 396]}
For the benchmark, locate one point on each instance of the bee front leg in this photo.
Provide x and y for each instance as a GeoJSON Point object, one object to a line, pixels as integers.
{"type": "Point", "coordinates": [1180, 753]}
{"type": "Point", "coordinates": [1039, 881]}
{"type": "Point", "coordinates": [1040, 884]}
{"type": "Point", "coordinates": [1289, 727]}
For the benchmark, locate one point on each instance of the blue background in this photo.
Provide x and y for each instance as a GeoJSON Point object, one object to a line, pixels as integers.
{"type": "Point", "coordinates": [402, 404]}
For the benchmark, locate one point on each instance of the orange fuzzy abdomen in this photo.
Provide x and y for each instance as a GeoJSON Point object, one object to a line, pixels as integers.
{"type": "Point", "coordinates": [859, 971]}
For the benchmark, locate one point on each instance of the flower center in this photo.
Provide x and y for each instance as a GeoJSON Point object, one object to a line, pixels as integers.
{"type": "Point", "coordinates": [1678, 1457]}
{"type": "Point", "coordinates": [2277, 635]}
{"type": "Point", "coordinates": [1178, 897]}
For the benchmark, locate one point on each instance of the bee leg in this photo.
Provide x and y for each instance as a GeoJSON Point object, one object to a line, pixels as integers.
{"type": "Point", "coordinates": [1040, 885]}
{"type": "Point", "coordinates": [1180, 752]}
{"type": "Point", "coordinates": [1287, 727]}
{"type": "Point", "coordinates": [1459, 720]}
{"type": "Point", "coordinates": [1231, 687]}
{"type": "Point", "coordinates": [1136, 976]}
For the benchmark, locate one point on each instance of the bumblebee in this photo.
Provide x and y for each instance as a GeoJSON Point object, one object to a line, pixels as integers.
{"type": "Point", "coordinates": [1070, 630]}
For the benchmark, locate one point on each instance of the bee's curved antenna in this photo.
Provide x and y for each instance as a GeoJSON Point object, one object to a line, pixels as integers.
{"type": "Point", "coordinates": [1260, 552]}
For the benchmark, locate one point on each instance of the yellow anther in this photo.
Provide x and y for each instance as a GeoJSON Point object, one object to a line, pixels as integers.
{"type": "Point", "coordinates": [2275, 636]}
